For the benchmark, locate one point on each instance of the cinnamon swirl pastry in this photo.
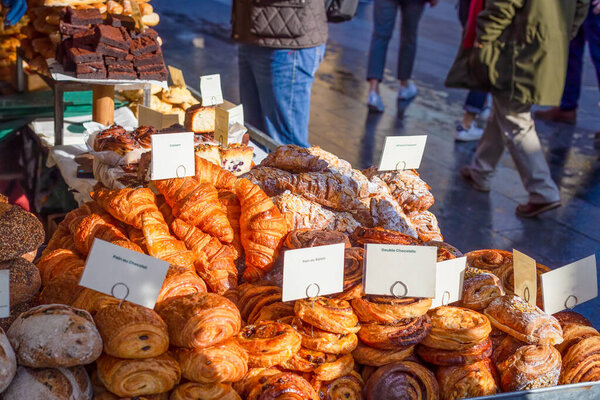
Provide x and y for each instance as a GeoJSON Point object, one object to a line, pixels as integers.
{"type": "Point", "coordinates": [447, 249]}
{"type": "Point", "coordinates": [465, 381]}
{"type": "Point", "coordinates": [253, 378]}
{"type": "Point", "coordinates": [475, 353]}
{"type": "Point", "coordinates": [330, 315]}
{"type": "Point", "coordinates": [130, 378]}
{"type": "Point", "coordinates": [366, 355]}
{"type": "Point", "coordinates": [353, 274]}
{"type": "Point", "coordinates": [575, 328]}
{"type": "Point", "coordinates": [302, 238]}
{"type": "Point", "coordinates": [506, 348]}
{"type": "Point", "coordinates": [530, 367]}
{"type": "Point", "coordinates": [269, 343]}
{"type": "Point", "coordinates": [489, 259]}
{"type": "Point", "coordinates": [224, 362]}
{"type": "Point", "coordinates": [204, 391]}
{"type": "Point", "coordinates": [274, 312]}
{"type": "Point", "coordinates": [283, 386]}
{"type": "Point", "coordinates": [507, 277]}
{"type": "Point", "coordinates": [388, 309]}
{"type": "Point", "coordinates": [180, 281]}
{"type": "Point", "coordinates": [327, 342]}
{"type": "Point", "coordinates": [406, 332]}
{"type": "Point", "coordinates": [523, 321]}
{"type": "Point", "coordinates": [347, 387]}
{"type": "Point", "coordinates": [254, 297]}
{"type": "Point", "coordinates": [581, 363]}
{"type": "Point", "coordinates": [131, 331]}
{"type": "Point", "coordinates": [456, 328]}
{"type": "Point", "coordinates": [402, 380]}
{"type": "Point", "coordinates": [480, 289]}
{"type": "Point", "coordinates": [363, 235]}
{"type": "Point", "coordinates": [143, 135]}
{"type": "Point", "coordinates": [200, 320]}
{"type": "Point", "coordinates": [323, 366]}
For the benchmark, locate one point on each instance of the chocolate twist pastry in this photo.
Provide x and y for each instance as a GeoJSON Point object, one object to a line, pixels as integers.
{"type": "Point", "coordinates": [131, 331]}
{"type": "Point", "coordinates": [345, 387]}
{"type": "Point", "coordinates": [530, 367]}
{"type": "Point", "coordinates": [253, 378]}
{"type": "Point", "coordinates": [465, 381]}
{"type": "Point", "coordinates": [327, 342]}
{"type": "Point", "coordinates": [130, 378]}
{"type": "Point", "coordinates": [489, 259]}
{"type": "Point", "coordinates": [575, 328]}
{"type": "Point", "coordinates": [363, 235]}
{"type": "Point", "coordinates": [582, 362]}
{"type": "Point", "coordinates": [286, 386]}
{"type": "Point", "coordinates": [302, 238]}
{"type": "Point", "coordinates": [366, 355]}
{"type": "Point", "coordinates": [254, 297]}
{"type": "Point", "coordinates": [353, 274]}
{"type": "Point", "coordinates": [480, 289]}
{"type": "Point", "coordinates": [456, 328]}
{"type": "Point", "coordinates": [224, 362]}
{"type": "Point", "coordinates": [93, 301]}
{"type": "Point", "coordinates": [330, 315]}
{"type": "Point", "coordinates": [523, 321]}
{"type": "Point", "coordinates": [274, 312]}
{"type": "Point", "coordinates": [269, 343]}
{"type": "Point", "coordinates": [388, 309]}
{"type": "Point", "coordinates": [402, 380]}
{"type": "Point", "coordinates": [406, 332]}
{"type": "Point", "coordinates": [324, 367]}
{"type": "Point", "coordinates": [200, 320]}
{"type": "Point", "coordinates": [143, 135]}
{"type": "Point", "coordinates": [471, 355]}
{"type": "Point", "coordinates": [204, 391]}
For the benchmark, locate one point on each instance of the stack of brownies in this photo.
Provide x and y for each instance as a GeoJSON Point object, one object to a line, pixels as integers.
{"type": "Point", "coordinates": [99, 49]}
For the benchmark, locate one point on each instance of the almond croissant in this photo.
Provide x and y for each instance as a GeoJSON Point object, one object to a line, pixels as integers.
{"type": "Point", "coordinates": [162, 245]}
{"type": "Point", "coordinates": [214, 261]}
{"type": "Point", "coordinates": [262, 229]}
{"type": "Point", "coordinates": [127, 205]}
{"type": "Point", "coordinates": [207, 172]}
{"type": "Point", "coordinates": [198, 204]}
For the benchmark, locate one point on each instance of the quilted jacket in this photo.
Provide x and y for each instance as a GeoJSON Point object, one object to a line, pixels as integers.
{"type": "Point", "coordinates": [285, 24]}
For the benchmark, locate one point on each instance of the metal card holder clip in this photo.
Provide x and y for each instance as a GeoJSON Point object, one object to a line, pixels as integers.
{"type": "Point", "coordinates": [112, 292]}
{"type": "Point", "coordinates": [567, 302]}
{"type": "Point", "coordinates": [395, 285]}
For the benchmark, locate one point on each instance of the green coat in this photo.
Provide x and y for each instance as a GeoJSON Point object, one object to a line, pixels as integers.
{"type": "Point", "coordinates": [521, 49]}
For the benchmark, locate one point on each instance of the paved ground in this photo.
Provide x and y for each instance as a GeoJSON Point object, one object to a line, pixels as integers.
{"type": "Point", "coordinates": [340, 123]}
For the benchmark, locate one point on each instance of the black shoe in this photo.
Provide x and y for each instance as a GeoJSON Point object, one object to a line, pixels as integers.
{"type": "Point", "coordinates": [530, 210]}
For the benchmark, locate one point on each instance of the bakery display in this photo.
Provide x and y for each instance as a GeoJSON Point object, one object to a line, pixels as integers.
{"type": "Point", "coordinates": [50, 383]}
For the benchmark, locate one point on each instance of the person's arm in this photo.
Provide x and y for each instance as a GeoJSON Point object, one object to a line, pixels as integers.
{"type": "Point", "coordinates": [495, 17]}
{"type": "Point", "coordinates": [581, 13]}
{"type": "Point", "coordinates": [16, 10]}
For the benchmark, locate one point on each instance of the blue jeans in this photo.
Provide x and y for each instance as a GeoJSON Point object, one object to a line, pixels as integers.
{"type": "Point", "coordinates": [275, 86]}
{"type": "Point", "coordinates": [590, 32]}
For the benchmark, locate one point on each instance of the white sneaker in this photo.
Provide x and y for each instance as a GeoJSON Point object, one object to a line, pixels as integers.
{"type": "Point", "coordinates": [375, 102]}
{"type": "Point", "coordinates": [485, 113]}
{"type": "Point", "coordinates": [467, 135]}
{"type": "Point", "coordinates": [407, 92]}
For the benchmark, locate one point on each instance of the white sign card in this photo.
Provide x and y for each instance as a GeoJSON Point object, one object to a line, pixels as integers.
{"type": "Point", "coordinates": [4, 293]}
{"type": "Point", "coordinates": [173, 155]}
{"type": "Point", "coordinates": [313, 271]}
{"type": "Point", "coordinates": [525, 277]}
{"type": "Point", "coordinates": [123, 273]}
{"type": "Point", "coordinates": [210, 89]}
{"type": "Point", "coordinates": [570, 285]}
{"type": "Point", "coordinates": [227, 114]}
{"type": "Point", "coordinates": [402, 152]}
{"type": "Point", "coordinates": [402, 271]}
{"type": "Point", "coordinates": [450, 275]}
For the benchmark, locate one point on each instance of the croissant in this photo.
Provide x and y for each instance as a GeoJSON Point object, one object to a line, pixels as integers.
{"type": "Point", "coordinates": [404, 379]}
{"type": "Point", "coordinates": [93, 301]}
{"type": "Point", "coordinates": [62, 289]}
{"type": "Point", "coordinates": [214, 261]}
{"type": "Point", "coordinates": [130, 378]}
{"type": "Point", "coordinates": [137, 236]}
{"type": "Point", "coordinates": [58, 262]}
{"type": "Point", "coordinates": [581, 363]}
{"type": "Point", "coordinates": [223, 362]}
{"type": "Point", "coordinates": [180, 282]}
{"type": "Point", "coordinates": [162, 245]}
{"type": "Point", "coordinates": [207, 172]}
{"type": "Point", "coordinates": [165, 209]}
{"type": "Point", "coordinates": [232, 207]}
{"type": "Point", "coordinates": [131, 331]}
{"type": "Point", "coordinates": [262, 229]}
{"type": "Point", "coordinates": [127, 205]}
{"type": "Point", "coordinates": [210, 391]}
{"type": "Point", "coordinates": [198, 204]}
{"type": "Point", "coordinates": [95, 226]}
{"type": "Point", "coordinates": [74, 217]}
{"type": "Point", "coordinates": [60, 239]}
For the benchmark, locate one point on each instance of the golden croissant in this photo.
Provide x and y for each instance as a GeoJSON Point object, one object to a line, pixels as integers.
{"type": "Point", "coordinates": [127, 205]}
{"type": "Point", "coordinates": [207, 172]}
{"type": "Point", "coordinates": [232, 207]}
{"type": "Point", "coordinates": [161, 244]}
{"type": "Point", "coordinates": [96, 226]}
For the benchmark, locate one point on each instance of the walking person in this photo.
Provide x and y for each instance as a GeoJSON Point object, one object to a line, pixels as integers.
{"type": "Point", "coordinates": [590, 33]}
{"type": "Point", "coordinates": [384, 20]}
{"type": "Point", "coordinates": [280, 48]}
{"type": "Point", "coordinates": [519, 53]}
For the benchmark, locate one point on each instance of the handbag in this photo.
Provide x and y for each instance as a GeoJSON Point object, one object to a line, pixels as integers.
{"type": "Point", "coordinates": [340, 10]}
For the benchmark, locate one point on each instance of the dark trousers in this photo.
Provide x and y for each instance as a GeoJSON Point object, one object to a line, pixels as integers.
{"type": "Point", "coordinates": [475, 101]}
{"type": "Point", "coordinates": [384, 20]}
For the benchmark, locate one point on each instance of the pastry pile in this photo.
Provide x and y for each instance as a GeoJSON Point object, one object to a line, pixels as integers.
{"type": "Point", "coordinates": [174, 100]}
{"type": "Point", "coordinates": [10, 40]}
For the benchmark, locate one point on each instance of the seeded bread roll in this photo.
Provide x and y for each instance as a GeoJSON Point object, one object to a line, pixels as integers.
{"type": "Point", "coordinates": [20, 232]}
{"type": "Point", "coordinates": [25, 279]}
{"type": "Point", "coordinates": [8, 362]}
{"type": "Point", "coordinates": [54, 336]}
{"type": "Point", "coordinates": [50, 384]}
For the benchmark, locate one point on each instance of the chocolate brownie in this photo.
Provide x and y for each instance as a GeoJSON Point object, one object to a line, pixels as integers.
{"type": "Point", "coordinates": [149, 59]}
{"type": "Point", "coordinates": [111, 51]}
{"type": "Point", "coordinates": [83, 17]}
{"type": "Point", "coordinates": [120, 68]}
{"type": "Point", "coordinates": [118, 21]}
{"type": "Point", "coordinates": [89, 68]}
{"type": "Point", "coordinates": [115, 37]}
{"type": "Point", "coordinates": [154, 75]}
{"type": "Point", "coordinates": [128, 60]}
{"type": "Point", "coordinates": [93, 75]}
{"type": "Point", "coordinates": [122, 75]}
{"type": "Point", "coordinates": [84, 39]}
{"type": "Point", "coordinates": [143, 45]}
{"type": "Point", "coordinates": [151, 67]}
{"type": "Point", "coordinates": [84, 55]}
{"type": "Point", "coordinates": [147, 32]}
{"type": "Point", "coordinates": [67, 29]}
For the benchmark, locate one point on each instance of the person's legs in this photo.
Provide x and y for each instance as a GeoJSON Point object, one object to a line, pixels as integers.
{"type": "Point", "coordinates": [248, 89]}
{"type": "Point", "coordinates": [411, 10]}
{"type": "Point", "coordinates": [467, 130]}
{"type": "Point", "coordinates": [572, 89]}
{"type": "Point", "coordinates": [384, 19]}
{"type": "Point", "coordinates": [592, 31]}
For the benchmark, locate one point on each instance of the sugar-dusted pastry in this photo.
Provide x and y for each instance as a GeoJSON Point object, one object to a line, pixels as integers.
{"type": "Point", "coordinates": [366, 355]}
{"type": "Point", "coordinates": [269, 343]}
{"type": "Point", "coordinates": [198, 204]}
{"type": "Point", "coordinates": [200, 320]}
{"type": "Point", "coordinates": [523, 321]}
{"type": "Point", "coordinates": [456, 328]}
{"type": "Point", "coordinates": [530, 367]}
{"type": "Point", "coordinates": [299, 159]}
{"type": "Point", "coordinates": [127, 205]}
{"type": "Point", "coordinates": [24, 279]}
{"type": "Point", "coordinates": [427, 226]}
{"type": "Point", "coordinates": [207, 172]}
{"type": "Point", "coordinates": [473, 354]}
{"type": "Point", "coordinates": [506, 348]}
{"type": "Point", "coordinates": [406, 332]}
{"type": "Point", "coordinates": [581, 363]}
{"type": "Point", "coordinates": [347, 387]}
{"type": "Point", "coordinates": [231, 204]}
{"type": "Point", "coordinates": [224, 362]}
{"type": "Point", "coordinates": [479, 289]}
{"type": "Point", "coordinates": [55, 336]}
{"type": "Point", "coordinates": [204, 391]}
{"type": "Point", "coordinates": [130, 378]}
{"type": "Point", "coordinates": [388, 309]}
{"type": "Point", "coordinates": [364, 235]}
{"type": "Point", "coordinates": [273, 181]}
{"type": "Point", "coordinates": [50, 384]}
{"type": "Point", "coordinates": [180, 281]}
{"type": "Point", "coordinates": [489, 259]}
{"type": "Point", "coordinates": [397, 380]}
{"type": "Point", "coordinates": [277, 386]}
{"type": "Point", "coordinates": [319, 340]}
{"type": "Point", "coordinates": [353, 274]}
{"type": "Point", "coordinates": [96, 226]}
{"type": "Point", "coordinates": [214, 260]}
{"type": "Point", "coordinates": [262, 229]}
{"type": "Point", "coordinates": [330, 315]}
{"type": "Point", "coordinates": [252, 379]}
{"type": "Point", "coordinates": [465, 381]}
{"type": "Point", "coordinates": [8, 362]}
{"type": "Point", "coordinates": [575, 328]}
{"type": "Point", "coordinates": [411, 192]}
{"type": "Point", "coordinates": [161, 244]}
{"type": "Point", "coordinates": [131, 331]}
{"type": "Point", "coordinates": [57, 262]}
